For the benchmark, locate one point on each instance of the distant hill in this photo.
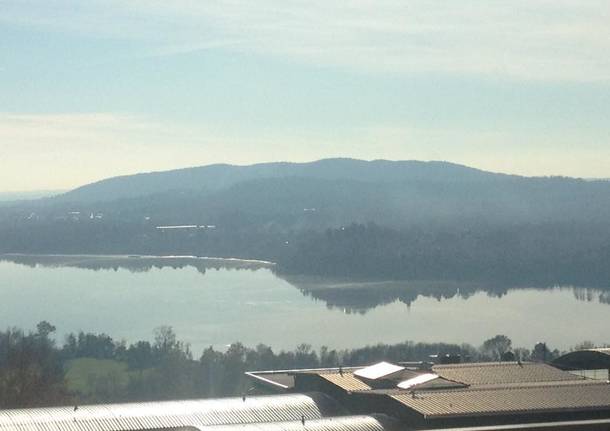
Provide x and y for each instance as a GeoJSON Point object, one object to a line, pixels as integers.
{"type": "Point", "coordinates": [337, 217]}
{"type": "Point", "coordinates": [220, 176]}
{"type": "Point", "coordinates": [332, 192]}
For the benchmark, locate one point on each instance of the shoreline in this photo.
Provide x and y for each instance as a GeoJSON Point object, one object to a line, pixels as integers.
{"type": "Point", "coordinates": [135, 258]}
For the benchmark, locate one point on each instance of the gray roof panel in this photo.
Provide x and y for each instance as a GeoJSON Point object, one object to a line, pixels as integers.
{"type": "Point", "coordinates": [169, 414]}
{"type": "Point", "coordinates": [494, 373]}
{"type": "Point", "coordinates": [345, 423]}
{"type": "Point", "coordinates": [496, 400]}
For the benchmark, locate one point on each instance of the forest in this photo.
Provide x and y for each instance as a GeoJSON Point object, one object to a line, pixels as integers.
{"type": "Point", "coordinates": [522, 254]}
{"type": "Point", "coordinates": [533, 255]}
{"type": "Point", "coordinates": [338, 218]}
{"type": "Point", "coordinates": [378, 220]}
{"type": "Point", "coordinates": [36, 370]}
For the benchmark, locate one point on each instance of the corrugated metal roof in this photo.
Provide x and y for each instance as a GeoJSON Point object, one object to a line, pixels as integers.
{"type": "Point", "coordinates": [439, 383]}
{"type": "Point", "coordinates": [581, 425]}
{"type": "Point", "coordinates": [351, 383]}
{"type": "Point", "coordinates": [493, 373]}
{"type": "Point", "coordinates": [284, 379]}
{"type": "Point", "coordinates": [168, 414]}
{"type": "Point", "coordinates": [346, 381]}
{"type": "Point", "coordinates": [494, 400]}
{"type": "Point", "coordinates": [538, 384]}
{"type": "Point", "coordinates": [346, 423]}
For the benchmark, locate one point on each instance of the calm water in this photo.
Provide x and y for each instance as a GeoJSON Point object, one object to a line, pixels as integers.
{"type": "Point", "coordinates": [219, 306]}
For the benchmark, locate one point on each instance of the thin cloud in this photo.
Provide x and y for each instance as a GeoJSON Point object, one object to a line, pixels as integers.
{"type": "Point", "coordinates": [542, 40]}
{"type": "Point", "coordinates": [67, 150]}
{"type": "Point", "coordinates": [525, 152]}
{"type": "Point", "coordinates": [183, 48]}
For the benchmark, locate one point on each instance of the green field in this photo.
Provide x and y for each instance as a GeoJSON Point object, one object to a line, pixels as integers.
{"type": "Point", "coordinates": [96, 377]}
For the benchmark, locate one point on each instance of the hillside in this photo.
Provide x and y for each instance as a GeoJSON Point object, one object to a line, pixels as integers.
{"type": "Point", "coordinates": [328, 193]}
{"type": "Point", "coordinates": [220, 176]}
{"type": "Point", "coordinates": [337, 217]}
{"type": "Point", "coordinates": [333, 192]}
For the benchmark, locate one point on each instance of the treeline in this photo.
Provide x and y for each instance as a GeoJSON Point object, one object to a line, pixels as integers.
{"type": "Point", "coordinates": [92, 368]}
{"type": "Point", "coordinates": [430, 222]}
{"type": "Point", "coordinates": [31, 368]}
{"type": "Point", "coordinates": [234, 238]}
{"type": "Point", "coordinates": [543, 254]}
{"type": "Point", "coordinates": [536, 255]}
{"type": "Point", "coordinates": [532, 255]}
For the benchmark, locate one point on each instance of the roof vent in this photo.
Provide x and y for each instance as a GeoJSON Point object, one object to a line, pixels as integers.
{"type": "Point", "coordinates": [382, 370]}
{"type": "Point", "coordinates": [415, 381]}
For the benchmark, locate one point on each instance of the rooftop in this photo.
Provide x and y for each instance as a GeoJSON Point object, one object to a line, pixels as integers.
{"type": "Point", "coordinates": [514, 399]}
{"type": "Point", "coordinates": [589, 359]}
{"type": "Point", "coordinates": [493, 373]}
{"type": "Point", "coordinates": [171, 414]}
{"type": "Point", "coordinates": [342, 423]}
{"type": "Point", "coordinates": [350, 382]}
{"type": "Point", "coordinates": [492, 394]}
{"type": "Point", "coordinates": [497, 391]}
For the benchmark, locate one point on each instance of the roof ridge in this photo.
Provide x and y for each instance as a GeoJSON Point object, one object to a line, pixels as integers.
{"type": "Point", "coordinates": [510, 386]}
{"type": "Point", "coordinates": [486, 364]}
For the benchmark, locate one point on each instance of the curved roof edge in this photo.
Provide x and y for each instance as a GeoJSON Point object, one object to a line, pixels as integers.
{"type": "Point", "coordinates": [372, 422]}
{"type": "Point", "coordinates": [176, 414]}
{"type": "Point", "coordinates": [589, 359]}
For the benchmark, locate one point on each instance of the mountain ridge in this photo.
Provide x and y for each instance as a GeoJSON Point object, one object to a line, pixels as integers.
{"type": "Point", "coordinates": [218, 176]}
{"type": "Point", "coordinates": [337, 217]}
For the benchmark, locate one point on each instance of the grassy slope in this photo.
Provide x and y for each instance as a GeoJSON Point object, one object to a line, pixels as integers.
{"type": "Point", "coordinates": [83, 373]}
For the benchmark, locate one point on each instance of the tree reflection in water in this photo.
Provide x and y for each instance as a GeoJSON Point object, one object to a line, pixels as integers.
{"type": "Point", "coordinates": [351, 296]}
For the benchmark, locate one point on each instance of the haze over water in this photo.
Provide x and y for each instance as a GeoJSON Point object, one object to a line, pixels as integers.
{"type": "Point", "coordinates": [222, 306]}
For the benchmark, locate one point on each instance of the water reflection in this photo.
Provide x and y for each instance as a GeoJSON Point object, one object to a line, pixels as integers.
{"type": "Point", "coordinates": [590, 295]}
{"type": "Point", "coordinates": [349, 296]}
{"type": "Point", "coordinates": [257, 306]}
{"type": "Point", "coordinates": [360, 297]}
{"type": "Point", "coordinates": [133, 263]}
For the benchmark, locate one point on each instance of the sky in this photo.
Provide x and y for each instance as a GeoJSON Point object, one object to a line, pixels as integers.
{"type": "Point", "coordinates": [94, 89]}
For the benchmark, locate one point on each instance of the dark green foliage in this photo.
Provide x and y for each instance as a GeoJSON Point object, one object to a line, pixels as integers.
{"type": "Point", "coordinates": [31, 372]}
{"type": "Point", "coordinates": [346, 218]}
{"type": "Point", "coordinates": [32, 368]}
{"type": "Point", "coordinates": [497, 347]}
{"type": "Point", "coordinates": [534, 255]}
{"type": "Point", "coordinates": [99, 346]}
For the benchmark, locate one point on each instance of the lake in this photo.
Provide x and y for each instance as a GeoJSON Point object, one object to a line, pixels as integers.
{"type": "Point", "coordinates": [216, 302]}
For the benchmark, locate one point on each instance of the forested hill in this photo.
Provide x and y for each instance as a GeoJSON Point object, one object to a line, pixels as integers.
{"type": "Point", "coordinates": [337, 217]}
{"type": "Point", "coordinates": [335, 192]}
{"type": "Point", "coordinates": [220, 176]}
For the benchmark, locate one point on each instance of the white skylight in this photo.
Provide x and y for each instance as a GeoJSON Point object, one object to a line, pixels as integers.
{"type": "Point", "coordinates": [422, 378]}
{"type": "Point", "coordinates": [378, 371]}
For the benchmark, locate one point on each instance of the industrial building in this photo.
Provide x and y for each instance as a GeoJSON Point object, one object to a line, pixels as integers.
{"type": "Point", "coordinates": [426, 396]}
{"type": "Point", "coordinates": [380, 397]}
{"type": "Point", "coordinates": [592, 363]}
{"type": "Point", "coordinates": [287, 410]}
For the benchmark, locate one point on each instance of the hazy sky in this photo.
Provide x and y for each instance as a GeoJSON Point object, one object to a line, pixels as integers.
{"type": "Point", "coordinates": [91, 89]}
